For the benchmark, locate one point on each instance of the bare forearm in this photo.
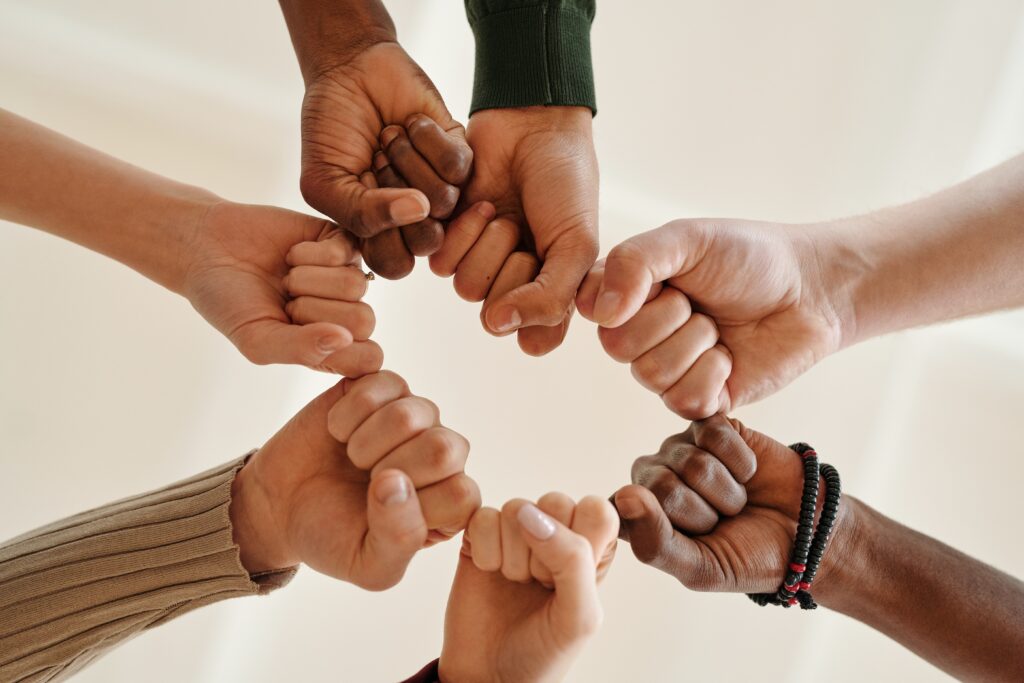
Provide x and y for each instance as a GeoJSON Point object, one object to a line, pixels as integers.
{"type": "Point", "coordinates": [962, 615]}
{"type": "Point", "coordinates": [328, 32]}
{"type": "Point", "coordinates": [60, 186]}
{"type": "Point", "coordinates": [950, 255]}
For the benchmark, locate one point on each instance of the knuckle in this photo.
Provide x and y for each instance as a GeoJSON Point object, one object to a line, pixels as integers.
{"type": "Point", "coordinates": [444, 200]}
{"type": "Point", "coordinates": [440, 451]}
{"type": "Point", "coordinates": [691, 406]}
{"type": "Point", "coordinates": [650, 371]}
{"type": "Point", "coordinates": [365, 321]}
{"type": "Point", "coordinates": [698, 469]}
{"type": "Point", "coordinates": [457, 163]}
{"type": "Point", "coordinates": [616, 344]}
{"type": "Point", "coordinates": [464, 493]}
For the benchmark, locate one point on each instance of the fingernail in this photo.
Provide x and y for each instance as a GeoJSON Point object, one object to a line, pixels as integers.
{"type": "Point", "coordinates": [505, 319]}
{"type": "Point", "coordinates": [485, 209]}
{"type": "Point", "coordinates": [389, 134]}
{"type": "Point", "coordinates": [629, 507]}
{"type": "Point", "coordinates": [328, 345]}
{"type": "Point", "coordinates": [406, 210]}
{"type": "Point", "coordinates": [393, 491]}
{"type": "Point", "coordinates": [606, 306]}
{"type": "Point", "coordinates": [536, 522]}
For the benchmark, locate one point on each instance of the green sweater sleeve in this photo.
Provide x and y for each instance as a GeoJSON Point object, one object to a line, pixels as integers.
{"type": "Point", "coordinates": [532, 52]}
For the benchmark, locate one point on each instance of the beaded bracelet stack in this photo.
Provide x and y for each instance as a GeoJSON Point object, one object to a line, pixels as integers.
{"type": "Point", "coordinates": [810, 543]}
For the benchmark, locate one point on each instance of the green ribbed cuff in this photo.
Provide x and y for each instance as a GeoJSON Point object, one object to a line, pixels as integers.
{"type": "Point", "coordinates": [531, 56]}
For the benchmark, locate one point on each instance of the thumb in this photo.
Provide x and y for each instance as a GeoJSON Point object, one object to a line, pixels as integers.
{"type": "Point", "coordinates": [274, 341]}
{"type": "Point", "coordinates": [575, 608]}
{"type": "Point", "coordinates": [396, 530]}
{"type": "Point", "coordinates": [651, 536]}
{"type": "Point", "coordinates": [633, 267]}
{"type": "Point", "coordinates": [549, 298]}
{"type": "Point", "coordinates": [361, 210]}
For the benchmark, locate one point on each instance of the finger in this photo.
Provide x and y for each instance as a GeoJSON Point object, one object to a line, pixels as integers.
{"type": "Point", "coordinates": [480, 267]}
{"type": "Point", "coordinates": [587, 293]}
{"type": "Point", "coordinates": [387, 255]}
{"type": "Point", "coordinates": [358, 318]}
{"type": "Point", "coordinates": [430, 457]}
{"type": "Point", "coordinates": [575, 608]}
{"type": "Point", "coordinates": [363, 398]}
{"type": "Point", "coordinates": [363, 211]}
{"type": "Point", "coordinates": [654, 324]}
{"type": "Point", "coordinates": [396, 530]}
{"type": "Point", "coordinates": [519, 268]}
{"type": "Point", "coordinates": [335, 251]}
{"type": "Point", "coordinates": [547, 300]}
{"type": "Point", "coordinates": [665, 364]}
{"type": "Point", "coordinates": [651, 536]}
{"type": "Point", "coordinates": [682, 505]}
{"type": "Point", "coordinates": [484, 534]}
{"type": "Point", "coordinates": [538, 340]}
{"type": "Point", "coordinates": [720, 438]}
{"type": "Point", "coordinates": [701, 391]}
{"type": "Point", "coordinates": [446, 150]}
{"type": "Point", "coordinates": [423, 238]}
{"type": "Point", "coordinates": [559, 507]}
{"type": "Point", "coordinates": [448, 506]}
{"type": "Point", "coordinates": [343, 283]}
{"type": "Point", "coordinates": [595, 519]}
{"type": "Point", "coordinates": [705, 474]}
{"type": "Point", "coordinates": [461, 235]}
{"type": "Point", "coordinates": [359, 359]}
{"type": "Point", "coordinates": [274, 341]}
{"type": "Point", "coordinates": [418, 173]}
{"type": "Point", "coordinates": [632, 267]}
{"type": "Point", "coordinates": [390, 427]}
{"type": "Point", "coordinates": [515, 552]}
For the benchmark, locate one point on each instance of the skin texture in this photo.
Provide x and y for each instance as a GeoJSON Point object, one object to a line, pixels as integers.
{"type": "Point", "coordinates": [531, 627]}
{"type": "Point", "coordinates": [358, 82]}
{"type": "Point", "coordinates": [358, 511]}
{"type": "Point", "coordinates": [952, 610]}
{"type": "Point", "coordinates": [536, 167]}
{"type": "Point", "coordinates": [232, 261]}
{"type": "Point", "coordinates": [757, 304]}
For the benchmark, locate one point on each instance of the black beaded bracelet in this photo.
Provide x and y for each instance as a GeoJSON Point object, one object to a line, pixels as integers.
{"type": "Point", "coordinates": [808, 549]}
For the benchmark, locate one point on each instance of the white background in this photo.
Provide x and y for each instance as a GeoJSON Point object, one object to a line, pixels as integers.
{"type": "Point", "coordinates": [789, 110]}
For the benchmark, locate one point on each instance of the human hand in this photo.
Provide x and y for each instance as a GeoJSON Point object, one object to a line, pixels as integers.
{"type": "Point", "coordinates": [244, 262]}
{"type": "Point", "coordinates": [713, 314]}
{"type": "Point", "coordinates": [528, 230]}
{"type": "Point", "coordinates": [502, 623]}
{"type": "Point", "coordinates": [356, 511]}
{"type": "Point", "coordinates": [347, 105]}
{"type": "Point", "coordinates": [717, 507]}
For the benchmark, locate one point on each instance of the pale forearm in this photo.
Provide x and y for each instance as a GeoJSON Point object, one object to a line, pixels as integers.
{"type": "Point", "coordinates": [325, 33]}
{"type": "Point", "coordinates": [60, 186]}
{"type": "Point", "coordinates": [962, 615]}
{"type": "Point", "coordinates": [954, 254]}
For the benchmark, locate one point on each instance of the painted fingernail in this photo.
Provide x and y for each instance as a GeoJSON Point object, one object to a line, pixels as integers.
{"type": "Point", "coordinates": [505, 319]}
{"type": "Point", "coordinates": [408, 209]}
{"type": "Point", "coordinates": [606, 306]}
{"type": "Point", "coordinates": [536, 523]}
{"type": "Point", "coordinates": [393, 491]}
{"type": "Point", "coordinates": [629, 507]}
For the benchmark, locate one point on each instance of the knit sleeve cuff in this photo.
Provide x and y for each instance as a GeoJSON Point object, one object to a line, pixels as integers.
{"type": "Point", "coordinates": [74, 589]}
{"type": "Point", "coordinates": [533, 55]}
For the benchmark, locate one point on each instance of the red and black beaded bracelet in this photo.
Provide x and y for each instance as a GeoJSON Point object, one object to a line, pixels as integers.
{"type": "Point", "coordinates": [808, 548]}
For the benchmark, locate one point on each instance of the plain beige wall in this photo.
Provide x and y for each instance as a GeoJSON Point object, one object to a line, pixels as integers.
{"type": "Point", "coordinates": [788, 110]}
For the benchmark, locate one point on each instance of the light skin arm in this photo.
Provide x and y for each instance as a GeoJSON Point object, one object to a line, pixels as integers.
{"type": "Point", "coordinates": [681, 516]}
{"type": "Point", "coordinates": [714, 313]}
{"type": "Point", "coordinates": [954, 254]}
{"type": "Point", "coordinates": [282, 286]}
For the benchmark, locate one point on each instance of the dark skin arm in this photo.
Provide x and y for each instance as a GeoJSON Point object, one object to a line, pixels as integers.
{"type": "Point", "coordinates": [359, 81]}
{"type": "Point", "coordinates": [958, 613]}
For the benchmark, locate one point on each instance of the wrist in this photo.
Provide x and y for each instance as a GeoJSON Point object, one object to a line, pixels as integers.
{"type": "Point", "coordinates": [326, 35]}
{"type": "Point", "coordinates": [255, 526]}
{"type": "Point", "coordinates": [846, 575]}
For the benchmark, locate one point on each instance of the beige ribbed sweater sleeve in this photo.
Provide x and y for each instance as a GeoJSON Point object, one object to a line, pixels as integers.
{"type": "Point", "coordinates": [74, 589]}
